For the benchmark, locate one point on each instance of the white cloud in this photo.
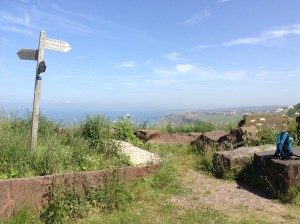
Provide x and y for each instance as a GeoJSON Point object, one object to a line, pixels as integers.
{"type": "Point", "coordinates": [163, 81]}
{"type": "Point", "coordinates": [24, 20]}
{"type": "Point", "coordinates": [15, 19]}
{"type": "Point", "coordinates": [19, 30]}
{"type": "Point", "coordinates": [184, 68]}
{"type": "Point", "coordinates": [126, 64]}
{"type": "Point", "coordinates": [172, 56]}
{"type": "Point", "coordinates": [198, 17]}
{"type": "Point", "coordinates": [199, 47]}
{"type": "Point", "coordinates": [274, 33]}
{"type": "Point", "coordinates": [193, 73]}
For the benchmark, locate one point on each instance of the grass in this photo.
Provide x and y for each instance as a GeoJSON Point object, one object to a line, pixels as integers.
{"type": "Point", "coordinates": [90, 145]}
{"type": "Point", "coordinates": [200, 126]}
{"type": "Point", "coordinates": [151, 196]}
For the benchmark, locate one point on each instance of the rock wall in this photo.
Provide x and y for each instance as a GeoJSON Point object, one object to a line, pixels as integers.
{"type": "Point", "coordinates": [34, 191]}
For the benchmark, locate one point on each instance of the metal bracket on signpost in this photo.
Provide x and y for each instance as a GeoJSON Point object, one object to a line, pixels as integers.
{"type": "Point", "coordinates": [38, 55]}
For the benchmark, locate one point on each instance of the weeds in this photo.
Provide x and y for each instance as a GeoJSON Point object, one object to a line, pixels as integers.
{"type": "Point", "coordinates": [23, 215]}
{"type": "Point", "coordinates": [69, 203]}
{"type": "Point", "coordinates": [87, 146]}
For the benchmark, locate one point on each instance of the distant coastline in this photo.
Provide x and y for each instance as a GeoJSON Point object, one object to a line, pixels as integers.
{"type": "Point", "coordinates": [149, 117]}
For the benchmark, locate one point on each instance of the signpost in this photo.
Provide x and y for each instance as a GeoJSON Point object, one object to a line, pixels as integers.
{"type": "Point", "coordinates": [57, 45]}
{"type": "Point", "coordinates": [28, 54]}
{"type": "Point", "coordinates": [38, 55]}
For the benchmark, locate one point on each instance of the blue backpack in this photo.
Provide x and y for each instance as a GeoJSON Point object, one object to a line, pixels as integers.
{"type": "Point", "coordinates": [284, 145]}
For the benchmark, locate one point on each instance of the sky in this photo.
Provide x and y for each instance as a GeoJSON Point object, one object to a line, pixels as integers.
{"type": "Point", "coordinates": [141, 55]}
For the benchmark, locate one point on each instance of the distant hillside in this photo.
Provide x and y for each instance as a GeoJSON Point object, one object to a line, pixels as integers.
{"type": "Point", "coordinates": [220, 114]}
{"type": "Point", "coordinates": [296, 109]}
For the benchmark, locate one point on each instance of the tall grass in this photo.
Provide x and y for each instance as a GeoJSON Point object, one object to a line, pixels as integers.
{"type": "Point", "coordinates": [88, 145]}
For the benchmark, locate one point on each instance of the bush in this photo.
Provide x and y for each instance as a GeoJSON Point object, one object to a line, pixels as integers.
{"type": "Point", "coordinates": [123, 130]}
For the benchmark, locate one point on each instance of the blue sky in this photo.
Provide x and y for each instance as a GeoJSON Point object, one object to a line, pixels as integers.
{"type": "Point", "coordinates": [152, 55]}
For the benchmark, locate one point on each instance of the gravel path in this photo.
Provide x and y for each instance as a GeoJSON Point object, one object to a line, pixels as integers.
{"type": "Point", "coordinates": [231, 199]}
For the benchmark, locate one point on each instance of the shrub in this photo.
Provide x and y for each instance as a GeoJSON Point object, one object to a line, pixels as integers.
{"type": "Point", "coordinates": [123, 130]}
{"type": "Point", "coordinates": [96, 130]}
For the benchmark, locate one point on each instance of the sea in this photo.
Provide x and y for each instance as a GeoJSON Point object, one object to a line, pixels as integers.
{"type": "Point", "coordinates": [140, 117]}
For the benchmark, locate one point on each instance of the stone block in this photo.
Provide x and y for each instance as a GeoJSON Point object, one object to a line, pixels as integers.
{"type": "Point", "coordinates": [245, 134]}
{"type": "Point", "coordinates": [229, 162]}
{"type": "Point", "coordinates": [218, 139]}
{"type": "Point", "coordinates": [280, 173]}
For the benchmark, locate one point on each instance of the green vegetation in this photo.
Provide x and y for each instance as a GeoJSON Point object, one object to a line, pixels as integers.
{"type": "Point", "coordinates": [197, 125]}
{"type": "Point", "coordinates": [91, 145]}
{"type": "Point", "coordinates": [294, 112]}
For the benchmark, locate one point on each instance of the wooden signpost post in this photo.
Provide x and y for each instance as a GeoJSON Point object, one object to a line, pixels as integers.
{"type": "Point", "coordinates": [38, 55]}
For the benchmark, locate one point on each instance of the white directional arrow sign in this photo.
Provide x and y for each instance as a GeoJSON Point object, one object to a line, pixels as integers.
{"type": "Point", "coordinates": [28, 54]}
{"type": "Point", "coordinates": [57, 45]}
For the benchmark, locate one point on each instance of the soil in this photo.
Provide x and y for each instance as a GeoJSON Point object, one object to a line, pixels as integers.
{"type": "Point", "coordinates": [232, 199]}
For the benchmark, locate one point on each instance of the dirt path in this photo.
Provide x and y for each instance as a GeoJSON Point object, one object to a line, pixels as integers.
{"type": "Point", "coordinates": [232, 199]}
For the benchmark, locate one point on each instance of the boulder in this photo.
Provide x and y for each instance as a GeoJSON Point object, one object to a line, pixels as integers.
{"type": "Point", "coordinates": [245, 134]}
{"type": "Point", "coordinates": [219, 139]}
{"type": "Point", "coordinates": [155, 137]}
{"type": "Point", "coordinates": [280, 174]}
{"type": "Point", "coordinates": [227, 163]}
{"type": "Point", "coordinates": [145, 135]}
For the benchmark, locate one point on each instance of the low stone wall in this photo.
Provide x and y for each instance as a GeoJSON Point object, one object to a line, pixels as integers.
{"type": "Point", "coordinates": [229, 162]}
{"type": "Point", "coordinates": [280, 173]}
{"type": "Point", "coordinates": [34, 191]}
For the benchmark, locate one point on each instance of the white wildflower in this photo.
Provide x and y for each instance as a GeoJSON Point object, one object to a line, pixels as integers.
{"type": "Point", "coordinates": [252, 121]}
{"type": "Point", "coordinates": [290, 107]}
{"type": "Point", "coordinates": [296, 113]}
{"type": "Point", "coordinates": [279, 110]}
{"type": "Point", "coordinates": [259, 124]}
{"type": "Point", "coordinates": [262, 119]}
{"type": "Point", "coordinates": [129, 116]}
